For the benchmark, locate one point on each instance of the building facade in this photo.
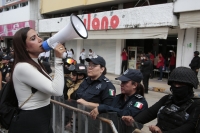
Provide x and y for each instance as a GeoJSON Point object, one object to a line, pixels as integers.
{"type": "Point", "coordinates": [189, 33]}
{"type": "Point", "coordinates": [16, 14]}
{"type": "Point", "coordinates": [113, 25]}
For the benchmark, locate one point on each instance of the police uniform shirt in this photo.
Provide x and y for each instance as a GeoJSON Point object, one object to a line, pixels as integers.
{"type": "Point", "coordinates": [6, 69]}
{"type": "Point", "coordinates": [100, 91]}
{"type": "Point", "coordinates": [132, 106]}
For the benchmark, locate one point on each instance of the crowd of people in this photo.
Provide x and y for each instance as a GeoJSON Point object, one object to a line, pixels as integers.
{"type": "Point", "coordinates": [88, 85]}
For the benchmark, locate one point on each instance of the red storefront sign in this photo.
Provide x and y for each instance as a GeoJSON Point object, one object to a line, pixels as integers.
{"type": "Point", "coordinates": [101, 23]}
{"type": "Point", "coordinates": [10, 29]}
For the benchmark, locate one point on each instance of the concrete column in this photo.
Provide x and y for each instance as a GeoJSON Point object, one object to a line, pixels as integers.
{"type": "Point", "coordinates": [186, 46]}
{"type": "Point", "coordinates": [156, 46]}
{"type": "Point", "coordinates": [79, 48]}
{"type": "Point", "coordinates": [118, 60]}
{"type": "Point", "coordinates": [120, 6]}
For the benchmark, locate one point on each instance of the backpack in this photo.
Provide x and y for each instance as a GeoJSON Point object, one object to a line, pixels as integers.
{"type": "Point", "coordinates": [8, 104]}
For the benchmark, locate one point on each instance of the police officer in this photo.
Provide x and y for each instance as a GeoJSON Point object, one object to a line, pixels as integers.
{"type": "Point", "coordinates": [6, 70]}
{"type": "Point", "coordinates": [130, 101]}
{"type": "Point", "coordinates": [67, 74]}
{"type": "Point", "coordinates": [78, 74]}
{"type": "Point", "coordinates": [176, 113]}
{"type": "Point", "coordinates": [96, 88]}
{"type": "Point", "coordinates": [195, 62]}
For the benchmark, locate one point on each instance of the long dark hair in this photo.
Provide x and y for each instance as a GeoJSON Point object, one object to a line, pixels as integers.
{"type": "Point", "coordinates": [139, 88]}
{"type": "Point", "coordinates": [20, 54]}
{"type": "Point", "coordinates": [72, 50]}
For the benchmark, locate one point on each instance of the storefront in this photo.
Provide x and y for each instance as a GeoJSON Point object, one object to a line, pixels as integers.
{"type": "Point", "coordinates": [8, 30]}
{"type": "Point", "coordinates": [136, 47]}
{"type": "Point", "coordinates": [109, 31]}
{"type": "Point", "coordinates": [189, 33]}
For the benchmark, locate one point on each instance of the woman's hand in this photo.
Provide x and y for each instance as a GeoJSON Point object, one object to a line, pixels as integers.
{"type": "Point", "coordinates": [128, 120]}
{"type": "Point", "coordinates": [59, 50]}
{"type": "Point", "coordinates": [154, 129]}
{"type": "Point", "coordinates": [94, 113]}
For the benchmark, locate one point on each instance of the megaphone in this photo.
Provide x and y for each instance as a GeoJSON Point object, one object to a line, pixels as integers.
{"type": "Point", "coordinates": [75, 28]}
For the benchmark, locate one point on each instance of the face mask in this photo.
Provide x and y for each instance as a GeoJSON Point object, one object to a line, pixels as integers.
{"type": "Point", "coordinates": [180, 92]}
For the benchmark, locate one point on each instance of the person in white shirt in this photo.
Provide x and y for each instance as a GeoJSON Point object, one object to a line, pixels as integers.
{"type": "Point", "coordinates": [82, 56]}
{"type": "Point", "coordinates": [41, 56]}
{"type": "Point", "coordinates": [70, 53]}
{"type": "Point", "coordinates": [46, 56]}
{"type": "Point", "coordinates": [35, 115]}
{"type": "Point", "coordinates": [91, 54]}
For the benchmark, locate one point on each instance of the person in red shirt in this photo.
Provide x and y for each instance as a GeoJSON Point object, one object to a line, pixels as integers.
{"type": "Point", "coordinates": [160, 65]}
{"type": "Point", "coordinates": [172, 62]}
{"type": "Point", "coordinates": [124, 56]}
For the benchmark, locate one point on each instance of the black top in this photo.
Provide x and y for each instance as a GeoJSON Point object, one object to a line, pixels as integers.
{"type": "Point", "coordinates": [151, 113]}
{"type": "Point", "coordinates": [100, 91]}
{"type": "Point", "coordinates": [146, 67]}
{"type": "Point", "coordinates": [6, 69]}
{"type": "Point", "coordinates": [195, 63]}
{"type": "Point", "coordinates": [132, 106]}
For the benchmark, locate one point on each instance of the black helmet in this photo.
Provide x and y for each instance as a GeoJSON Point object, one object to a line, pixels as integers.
{"type": "Point", "coordinates": [196, 52]}
{"type": "Point", "coordinates": [183, 75]}
{"type": "Point", "coordinates": [78, 68]}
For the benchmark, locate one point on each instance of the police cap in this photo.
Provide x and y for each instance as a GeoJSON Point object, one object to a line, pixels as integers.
{"type": "Point", "coordinates": [98, 60]}
{"type": "Point", "coordinates": [131, 74]}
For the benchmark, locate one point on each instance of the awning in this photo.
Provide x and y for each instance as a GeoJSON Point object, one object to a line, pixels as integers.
{"type": "Point", "coordinates": [189, 20]}
{"type": "Point", "coordinates": [143, 33]}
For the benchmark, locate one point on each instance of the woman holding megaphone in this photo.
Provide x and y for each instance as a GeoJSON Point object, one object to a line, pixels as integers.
{"type": "Point", "coordinates": [30, 80]}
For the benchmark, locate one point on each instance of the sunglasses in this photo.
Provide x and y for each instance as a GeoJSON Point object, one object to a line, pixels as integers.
{"type": "Point", "coordinates": [70, 61]}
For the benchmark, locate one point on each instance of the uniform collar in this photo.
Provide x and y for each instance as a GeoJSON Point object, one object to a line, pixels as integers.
{"type": "Point", "coordinates": [129, 97]}
{"type": "Point", "coordinates": [101, 78]}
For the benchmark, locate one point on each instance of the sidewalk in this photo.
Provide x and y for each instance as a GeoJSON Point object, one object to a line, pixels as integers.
{"type": "Point", "coordinates": [154, 84]}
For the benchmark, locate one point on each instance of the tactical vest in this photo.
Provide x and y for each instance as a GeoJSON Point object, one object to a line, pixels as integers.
{"type": "Point", "coordinates": [171, 116]}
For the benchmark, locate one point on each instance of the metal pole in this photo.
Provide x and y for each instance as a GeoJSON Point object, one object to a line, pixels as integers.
{"type": "Point", "coordinates": [110, 122]}
{"type": "Point", "coordinates": [74, 122]}
{"type": "Point", "coordinates": [62, 119]}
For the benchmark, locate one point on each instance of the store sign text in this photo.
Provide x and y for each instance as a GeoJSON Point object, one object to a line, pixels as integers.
{"type": "Point", "coordinates": [11, 29]}
{"type": "Point", "coordinates": [101, 24]}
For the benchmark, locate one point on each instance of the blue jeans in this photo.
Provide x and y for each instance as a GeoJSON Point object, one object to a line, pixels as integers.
{"type": "Point", "coordinates": [161, 72]}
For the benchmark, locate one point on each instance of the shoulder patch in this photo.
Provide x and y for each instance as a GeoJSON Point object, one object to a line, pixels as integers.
{"type": "Point", "coordinates": [138, 105]}
{"type": "Point", "coordinates": [111, 92]}
{"type": "Point", "coordinates": [107, 80]}
{"type": "Point", "coordinates": [138, 96]}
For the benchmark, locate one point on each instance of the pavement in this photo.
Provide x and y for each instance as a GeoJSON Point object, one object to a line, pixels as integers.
{"type": "Point", "coordinates": [154, 84]}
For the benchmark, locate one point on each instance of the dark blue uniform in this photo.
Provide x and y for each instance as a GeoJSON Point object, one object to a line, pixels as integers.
{"type": "Point", "coordinates": [100, 91]}
{"type": "Point", "coordinates": [6, 69]}
{"type": "Point", "coordinates": [132, 106]}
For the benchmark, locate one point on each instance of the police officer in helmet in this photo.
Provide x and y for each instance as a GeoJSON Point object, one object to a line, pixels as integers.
{"type": "Point", "coordinates": [67, 75]}
{"type": "Point", "coordinates": [78, 74]}
{"type": "Point", "coordinates": [176, 113]}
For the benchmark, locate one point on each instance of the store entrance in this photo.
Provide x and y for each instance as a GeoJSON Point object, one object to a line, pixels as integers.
{"type": "Point", "coordinates": [144, 46]}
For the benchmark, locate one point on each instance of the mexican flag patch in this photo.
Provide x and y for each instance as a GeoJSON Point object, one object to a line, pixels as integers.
{"type": "Point", "coordinates": [111, 92]}
{"type": "Point", "coordinates": [138, 105]}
